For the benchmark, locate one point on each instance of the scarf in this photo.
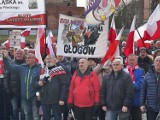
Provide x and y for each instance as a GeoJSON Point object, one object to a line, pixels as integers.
{"type": "Point", "coordinates": [45, 72]}
{"type": "Point", "coordinates": [131, 70]}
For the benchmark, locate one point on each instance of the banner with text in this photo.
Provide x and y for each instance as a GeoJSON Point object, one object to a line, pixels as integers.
{"type": "Point", "coordinates": [77, 39]}
{"type": "Point", "coordinates": [22, 13]}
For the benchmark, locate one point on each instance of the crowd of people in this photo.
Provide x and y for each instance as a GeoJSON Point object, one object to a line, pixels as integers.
{"type": "Point", "coordinates": [121, 89]}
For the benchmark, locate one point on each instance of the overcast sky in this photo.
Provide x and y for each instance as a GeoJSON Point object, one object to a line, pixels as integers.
{"type": "Point", "coordinates": [81, 3]}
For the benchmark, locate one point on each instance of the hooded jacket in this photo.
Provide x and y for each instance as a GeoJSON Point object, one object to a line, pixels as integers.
{"type": "Point", "coordinates": [84, 89]}
{"type": "Point", "coordinates": [28, 77]}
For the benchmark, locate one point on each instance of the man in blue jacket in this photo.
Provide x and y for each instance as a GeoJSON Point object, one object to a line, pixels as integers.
{"type": "Point", "coordinates": [137, 75]}
{"type": "Point", "coordinates": [29, 75]}
{"type": "Point", "coordinates": [150, 91]}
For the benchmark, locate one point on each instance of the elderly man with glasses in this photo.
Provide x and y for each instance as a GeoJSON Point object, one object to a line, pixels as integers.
{"type": "Point", "coordinates": [117, 92]}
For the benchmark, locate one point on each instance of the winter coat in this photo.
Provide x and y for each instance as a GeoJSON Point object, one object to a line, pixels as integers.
{"type": "Point", "coordinates": [67, 66]}
{"type": "Point", "coordinates": [145, 63]}
{"type": "Point", "coordinates": [117, 92]}
{"type": "Point", "coordinates": [28, 77]}
{"type": "Point", "coordinates": [84, 89]}
{"type": "Point", "coordinates": [138, 79]}
{"type": "Point", "coordinates": [55, 88]}
{"type": "Point", "coordinates": [150, 91]}
{"type": "Point", "coordinates": [12, 80]}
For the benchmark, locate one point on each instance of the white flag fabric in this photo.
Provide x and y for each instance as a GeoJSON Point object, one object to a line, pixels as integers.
{"type": "Point", "coordinates": [153, 25]}
{"type": "Point", "coordinates": [130, 40]}
{"type": "Point", "coordinates": [112, 31]}
{"type": "Point", "coordinates": [49, 44]}
{"type": "Point", "coordinates": [78, 39]}
{"type": "Point", "coordinates": [26, 32]}
{"type": "Point", "coordinates": [113, 49]}
{"type": "Point", "coordinates": [37, 46]}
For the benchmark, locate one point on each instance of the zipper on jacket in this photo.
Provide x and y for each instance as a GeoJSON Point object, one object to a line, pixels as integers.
{"type": "Point", "coordinates": [31, 79]}
{"type": "Point", "coordinates": [25, 79]}
{"type": "Point", "coordinates": [27, 83]}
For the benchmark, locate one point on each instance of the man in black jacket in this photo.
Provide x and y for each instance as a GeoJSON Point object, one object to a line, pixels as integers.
{"type": "Point", "coordinates": [117, 92]}
{"type": "Point", "coordinates": [53, 89]}
{"type": "Point", "coordinates": [63, 60]}
{"type": "Point", "coordinates": [12, 84]}
{"type": "Point", "coordinates": [144, 60]}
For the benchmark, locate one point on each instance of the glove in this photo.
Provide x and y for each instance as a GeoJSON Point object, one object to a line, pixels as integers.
{"type": "Point", "coordinates": [95, 111]}
{"type": "Point", "coordinates": [70, 106]}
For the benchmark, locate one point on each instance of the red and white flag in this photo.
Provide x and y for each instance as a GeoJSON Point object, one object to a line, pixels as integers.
{"type": "Point", "coordinates": [6, 44]}
{"type": "Point", "coordinates": [138, 34]}
{"type": "Point", "coordinates": [117, 2]}
{"type": "Point", "coordinates": [152, 31]}
{"type": "Point", "coordinates": [42, 41]}
{"type": "Point", "coordinates": [52, 37]}
{"type": "Point", "coordinates": [26, 32]}
{"type": "Point", "coordinates": [112, 32]}
{"type": "Point", "coordinates": [130, 40]}
{"type": "Point", "coordinates": [113, 48]}
{"type": "Point", "coordinates": [40, 33]}
{"type": "Point", "coordinates": [23, 42]}
{"type": "Point", "coordinates": [49, 42]}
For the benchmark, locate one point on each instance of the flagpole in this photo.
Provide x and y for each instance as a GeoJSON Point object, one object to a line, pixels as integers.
{"type": "Point", "coordinates": [45, 42]}
{"type": "Point", "coordinates": [135, 25]}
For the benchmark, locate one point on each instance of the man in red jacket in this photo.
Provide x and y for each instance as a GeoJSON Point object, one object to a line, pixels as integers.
{"type": "Point", "coordinates": [84, 91]}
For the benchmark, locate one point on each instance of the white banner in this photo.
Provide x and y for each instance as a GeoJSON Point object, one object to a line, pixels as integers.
{"type": "Point", "coordinates": [22, 13]}
{"type": "Point", "coordinates": [77, 39]}
{"type": "Point", "coordinates": [15, 38]}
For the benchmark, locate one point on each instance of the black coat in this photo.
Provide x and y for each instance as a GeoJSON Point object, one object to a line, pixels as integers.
{"type": "Point", "coordinates": [145, 63]}
{"type": "Point", "coordinates": [117, 92]}
{"type": "Point", "coordinates": [54, 90]}
{"type": "Point", "coordinates": [12, 81]}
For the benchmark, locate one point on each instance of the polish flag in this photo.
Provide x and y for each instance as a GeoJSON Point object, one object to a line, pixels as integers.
{"type": "Point", "coordinates": [112, 32]}
{"type": "Point", "coordinates": [152, 31]}
{"type": "Point", "coordinates": [113, 48]}
{"type": "Point", "coordinates": [52, 38]}
{"type": "Point", "coordinates": [40, 34]}
{"type": "Point", "coordinates": [49, 42]}
{"type": "Point", "coordinates": [22, 43]}
{"type": "Point", "coordinates": [117, 52]}
{"type": "Point", "coordinates": [26, 32]}
{"type": "Point", "coordinates": [117, 2]}
{"type": "Point", "coordinates": [6, 43]}
{"type": "Point", "coordinates": [130, 41]}
{"type": "Point", "coordinates": [139, 33]}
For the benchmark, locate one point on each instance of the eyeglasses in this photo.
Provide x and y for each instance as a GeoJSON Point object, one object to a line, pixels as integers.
{"type": "Point", "coordinates": [115, 64]}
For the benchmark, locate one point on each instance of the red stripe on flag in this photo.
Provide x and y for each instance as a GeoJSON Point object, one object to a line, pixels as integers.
{"type": "Point", "coordinates": [23, 21]}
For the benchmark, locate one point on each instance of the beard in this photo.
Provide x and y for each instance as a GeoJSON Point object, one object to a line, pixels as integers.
{"type": "Point", "coordinates": [50, 64]}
